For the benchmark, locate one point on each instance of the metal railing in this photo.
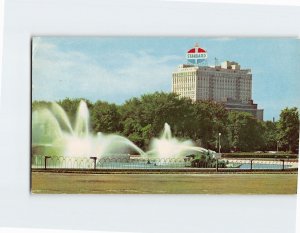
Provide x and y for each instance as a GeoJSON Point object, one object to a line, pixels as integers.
{"type": "Point", "coordinates": [127, 162]}
{"type": "Point", "coordinates": [118, 162]}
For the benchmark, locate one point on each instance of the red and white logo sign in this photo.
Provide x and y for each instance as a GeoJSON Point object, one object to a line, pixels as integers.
{"type": "Point", "coordinates": [196, 55]}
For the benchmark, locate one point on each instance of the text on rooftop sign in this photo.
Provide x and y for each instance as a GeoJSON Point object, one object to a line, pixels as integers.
{"type": "Point", "coordinates": [196, 55]}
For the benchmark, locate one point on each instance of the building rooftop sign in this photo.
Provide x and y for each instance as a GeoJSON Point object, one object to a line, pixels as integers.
{"type": "Point", "coordinates": [196, 55]}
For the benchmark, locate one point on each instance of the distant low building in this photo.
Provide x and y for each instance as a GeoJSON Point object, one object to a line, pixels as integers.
{"type": "Point", "coordinates": [226, 83]}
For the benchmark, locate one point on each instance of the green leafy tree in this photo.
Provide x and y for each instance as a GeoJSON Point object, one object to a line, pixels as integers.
{"type": "Point", "coordinates": [208, 120]}
{"type": "Point", "coordinates": [288, 127]}
{"type": "Point", "coordinates": [40, 104]}
{"type": "Point", "coordinates": [144, 118]}
{"type": "Point", "coordinates": [105, 117]}
{"type": "Point", "coordinates": [131, 121]}
{"type": "Point", "coordinates": [270, 136]}
{"type": "Point", "coordinates": [159, 108]}
{"type": "Point", "coordinates": [245, 131]}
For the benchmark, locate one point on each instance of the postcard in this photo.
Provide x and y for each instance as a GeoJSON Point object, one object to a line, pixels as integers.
{"type": "Point", "coordinates": [164, 115]}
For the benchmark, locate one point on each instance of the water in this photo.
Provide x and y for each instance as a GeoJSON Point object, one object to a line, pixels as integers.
{"type": "Point", "coordinates": [126, 162]}
{"type": "Point", "coordinates": [61, 115]}
{"type": "Point", "coordinates": [82, 121]}
{"type": "Point", "coordinates": [182, 164]}
{"type": "Point", "coordinates": [263, 166]}
{"type": "Point", "coordinates": [167, 146]}
{"type": "Point", "coordinates": [45, 128]}
{"type": "Point", "coordinates": [54, 134]}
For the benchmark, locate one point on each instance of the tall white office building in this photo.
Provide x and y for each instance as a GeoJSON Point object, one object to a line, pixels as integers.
{"type": "Point", "coordinates": [226, 83]}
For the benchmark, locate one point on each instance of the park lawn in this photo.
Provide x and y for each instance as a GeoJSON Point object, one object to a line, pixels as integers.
{"type": "Point", "coordinates": [47, 182]}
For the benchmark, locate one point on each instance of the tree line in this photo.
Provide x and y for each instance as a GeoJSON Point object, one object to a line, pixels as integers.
{"type": "Point", "coordinates": [140, 119]}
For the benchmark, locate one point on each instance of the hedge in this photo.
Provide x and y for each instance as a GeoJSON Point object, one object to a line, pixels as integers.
{"type": "Point", "coordinates": [260, 155]}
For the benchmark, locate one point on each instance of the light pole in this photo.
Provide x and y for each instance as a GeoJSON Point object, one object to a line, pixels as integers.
{"type": "Point", "coordinates": [277, 146]}
{"type": "Point", "coordinates": [95, 161]}
{"type": "Point", "coordinates": [46, 158]}
{"type": "Point", "coordinates": [219, 143]}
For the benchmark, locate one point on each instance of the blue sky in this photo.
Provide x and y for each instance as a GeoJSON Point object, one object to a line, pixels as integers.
{"type": "Point", "coordinates": [118, 68]}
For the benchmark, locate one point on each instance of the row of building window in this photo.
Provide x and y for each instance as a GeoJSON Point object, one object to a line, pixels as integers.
{"type": "Point", "coordinates": [205, 79]}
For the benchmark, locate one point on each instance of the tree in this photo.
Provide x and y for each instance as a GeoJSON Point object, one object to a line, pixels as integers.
{"type": "Point", "coordinates": [144, 118]}
{"type": "Point", "coordinates": [207, 121]}
{"type": "Point", "coordinates": [105, 117]}
{"type": "Point", "coordinates": [288, 127]}
{"type": "Point", "coordinates": [36, 105]}
{"type": "Point", "coordinates": [141, 119]}
{"type": "Point", "coordinates": [245, 131]}
{"type": "Point", "coordinates": [270, 136]}
{"type": "Point", "coordinates": [160, 108]}
{"type": "Point", "coordinates": [131, 121]}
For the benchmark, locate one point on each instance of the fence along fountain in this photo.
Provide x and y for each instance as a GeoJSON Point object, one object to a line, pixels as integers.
{"type": "Point", "coordinates": [53, 133]}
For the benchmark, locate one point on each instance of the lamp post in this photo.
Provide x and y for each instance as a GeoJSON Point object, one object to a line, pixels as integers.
{"type": "Point", "coordinates": [277, 146]}
{"type": "Point", "coordinates": [46, 158]}
{"type": "Point", "coordinates": [219, 143]}
{"type": "Point", "coordinates": [95, 160]}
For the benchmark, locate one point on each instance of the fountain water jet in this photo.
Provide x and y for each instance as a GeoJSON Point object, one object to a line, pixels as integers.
{"type": "Point", "coordinates": [167, 146]}
{"type": "Point", "coordinates": [45, 127]}
{"type": "Point", "coordinates": [61, 115]}
{"type": "Point", "coordinates": [82, 120]}
{"type": "Point", "coordinates": [56, 131]}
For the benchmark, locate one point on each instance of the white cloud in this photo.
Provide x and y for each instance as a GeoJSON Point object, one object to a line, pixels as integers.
{"type": "Point", "coordinates": [59, 74]}
{"type": "Point", "coordinates": [223, 39]}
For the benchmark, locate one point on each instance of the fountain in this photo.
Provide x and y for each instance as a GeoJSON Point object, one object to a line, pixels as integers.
{"type": "Point", "coordinates": [53, 134]}
{"type": "Point", "coordinates": [167, 146]}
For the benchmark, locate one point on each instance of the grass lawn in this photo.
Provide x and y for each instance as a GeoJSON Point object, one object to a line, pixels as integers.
{"type": "Point", "coordinates": [47, 182]}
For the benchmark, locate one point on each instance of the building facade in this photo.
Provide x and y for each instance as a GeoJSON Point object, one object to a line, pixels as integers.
{"type": "Point", "coordinates": [226, 83]}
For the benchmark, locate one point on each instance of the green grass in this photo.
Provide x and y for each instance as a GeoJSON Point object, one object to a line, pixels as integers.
{"type": "Point", "coordinates": [43, 182]}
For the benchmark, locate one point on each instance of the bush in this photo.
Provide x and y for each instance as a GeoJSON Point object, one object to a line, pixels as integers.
{"type": "Point", "coordinates": [206, 161]}
{"type": "Point", "coordinates": [280, 155]}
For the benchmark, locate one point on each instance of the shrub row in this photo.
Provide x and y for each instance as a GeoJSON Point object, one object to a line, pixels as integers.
{"type": "Point", "coordinates": [260, 155]}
